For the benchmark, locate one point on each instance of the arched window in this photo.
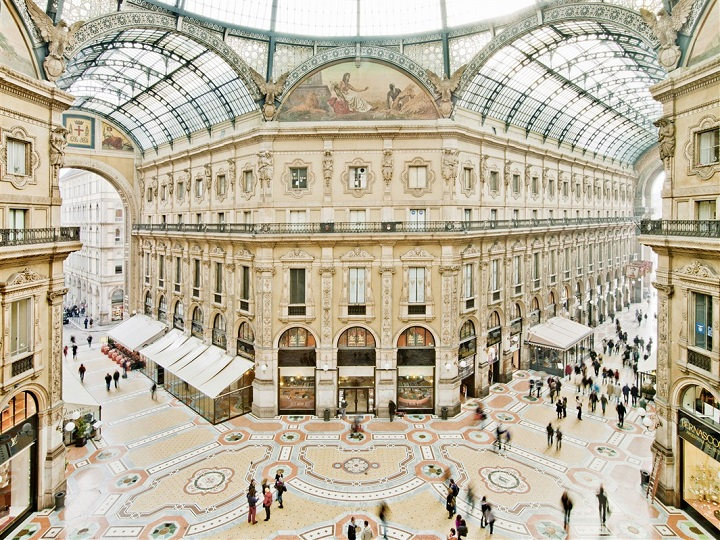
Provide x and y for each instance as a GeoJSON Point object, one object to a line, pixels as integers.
{"type": "Point", "coordinates": [356, 337]}
{"type": "Point", "coordinates": [179, 316]}
{"type": "Point", "coordinates": [467, 350]}
{"type": "Point", "coordinates": [246, 341]}
{"type": "Point", "coordinates": [296, 337]}
{"type": "Point", "coordinates": [535, 305]}
{"type": "Point", "coordinates": [20, 407]}
{"type": "Point", "coordinates": [218, 332]}
{"type": "Point", "coordinates": [535, 310]}
{"type": "Point", "coordinates": [700, 402]}
{"type": "Point", "coordinates": [416, 336]}
{"type": "Point", "coordinates": [196, 327]}
{"type": "Point", "coordinates": [494, 320]}
{"type": "Point", "coordinates": [516, 312]}
{"type": "Point", "coordinates": [162, 308]}
{"type": "Point", "coordinates": [148, 303]}
{"type": "Point", "coordinates": [117, 296]}
{"type": "Point", "coordinates": [356, 347]}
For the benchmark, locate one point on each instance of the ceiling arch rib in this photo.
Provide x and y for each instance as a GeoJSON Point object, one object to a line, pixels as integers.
{"type": "Point", "coordinates": [158, 84]}
{"type": "Point", "coordinates": [576, 82]}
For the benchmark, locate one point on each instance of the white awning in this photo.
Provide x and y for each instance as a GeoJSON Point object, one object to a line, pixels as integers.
{"type": "Point", "coordinates": [174, 353]}
{"type": "Point", "coordinates": [558, 333]}
{"type": "Point", "coordinates": [137, 331]}
{"type": "Point", "coordinates": [203, 367]}
{"type": "Point", "coordinates": [172, 337]}
{"type": "Point", "coordinates": [227, 376]}
{"type": "Point", "coordinates": [188, 357]}
{"type": "Point", "coordinates": [76, 396]}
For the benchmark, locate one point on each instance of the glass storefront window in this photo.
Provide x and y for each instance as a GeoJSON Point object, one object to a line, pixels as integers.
{"type": "Point", "coordinates": [702, 403]}
{"type": "Point", "coordinates": [415, 391]}
{"type": "Point", "coordinates": [701, 483]}
{"type": "Point", "coordinates": [296, 393]}
{"type": "Point", "coordinates": [15, 484]}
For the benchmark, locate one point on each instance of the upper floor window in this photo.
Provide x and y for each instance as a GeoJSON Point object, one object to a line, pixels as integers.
{"type": "Point", "coordinates": [417, 218]}
{"type": "Point", "coordinates": [17, 156]}
{"type": "Point", "coordinates": [709, 146]}
{"type": "Point", "coordinates": [468, 285]}
{"type": "Point", "coordinates": [703, 330]}
{"type": "Point", "coordinates": [416, 290]}
{"type": "Point", "coordinates": [199, 186]}
{"type": "Point", "coordinates": [221, 185]}
{"type": "Point", "coordinates": [180, 191]}
{"type": "Point", "coordinates": [494, 180]}
{"type": "Point", "coordinates": [247, 181]}
{"type": "Point", "coordinates": [356, 296]}
{"type": "Point", "coordinates": [516, 183]}
{"type": "Point", "coordinates": [17, 218]}
{"type": "Point", "coordinates": [244, 292]}
{"type": "Point", "coordinates": [196, 277]}
{"type": "Point", "coordinates": [417, 177]}
{"type": "Point", "coordinates": [218, 282]}
{"type": "Point", "coordinates": [21, 326]}
{"type": "Point", "coordinates": [357, 179]}
{"type": "Point", "coordinates": [298, 177]}
{"type": "Point", "coordinates": [297, 292]}
{"type": "Point", "coordinates": [467, 178]}
{"type": "Point", "coordinates": [149, 195]}
{"type": "Point", "coordinates": [117, 236]}
{"type": "Point", "coordinates": [534, 185]}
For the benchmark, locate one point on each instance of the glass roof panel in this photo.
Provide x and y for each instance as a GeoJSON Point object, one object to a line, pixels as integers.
{"type": "Point", "coordinates": [460, 12]}
{"type": "Point", "coordinates": [407, 16]}
{"type": "Point", "coordinates": [252, 13]}
{"type": "Point", "coordinates": [312, 17]}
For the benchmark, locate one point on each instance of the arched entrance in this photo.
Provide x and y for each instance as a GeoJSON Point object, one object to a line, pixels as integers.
{"type": "Point", "coordinates": [467, 354]}
{"type": "Point", "coordinates": [416, 370]}
{"type": "Point", "coordinates": [18, 460]}
{"type": "Point", "coordinates": [494, 343]}
{"type": "Point", "coordinates": [356, 370]}
{"type": "Point", "coordinates": [116, 303]}
{"type": "Point", "coordinates": [162, 309]}
{"type": "Point", "coordinates": [296, 372]}
{"type": "Point", "coordinates": [515, 335]}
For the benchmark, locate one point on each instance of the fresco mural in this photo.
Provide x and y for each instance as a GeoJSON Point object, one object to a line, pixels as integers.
{"type": "Point", "coordinates": [344, 91]}
{"type": "Point", "coordinates": [81, 131]}
{"type": "Point", "coordinates": [114, 139]}
{"type": "Point", "coordinates": [14, 51]}
{"type": "Point", "coordinates": [707, 43]}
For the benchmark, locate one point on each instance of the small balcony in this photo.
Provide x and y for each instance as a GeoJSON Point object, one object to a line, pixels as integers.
{"type": "Point", "coordinates": [699, 360]}
{"type": "Point", "coordinates": [674, 227]}
{"type": "Point", "coordinates": [18, 237]}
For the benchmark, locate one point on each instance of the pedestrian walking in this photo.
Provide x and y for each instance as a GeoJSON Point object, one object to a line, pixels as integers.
{"type": "Point", "coordinates": [634, 395]}
{"type": "Point", "coordinates": [153, 390]}
{"type": "Point", "coordinates": [65, 351]}
{"type": "Point", "coordinates": [72, 339]}
{"type": "Point", "coordinates": [558, 438]}
{"type": "Point", "coordinates": [383, 515]}
{"type": "Point", "coordinates": [343, 408]}
{"type": "Point", "coordinates": [484, 506]}
{"type": "Point", "coordinates": [116, 378]}
{"type": "Point", "coordinates": [267, 503]}
{"type": "Point", "coordinates": [507, 439]}
{"type": "Point", "coordinates": [621, 414]}
{"type": "Point", "coordinates": [462, 529]}
{"type": "Point", "coordinates": [490, 518]}
{"type": "Point", "coordinates": [531, 386]}
{"type": "Point", "coordinates": [279, 488]}
{"type": "Point", "coordinates": [568, 371]}
{"type": "Point", "coordinates": [564, 407]}
{"type": "Point", "coordinates": [89, 340]}
{"type": "Point", "coordinates": [626, 393]}
{"type": "Point", "coordinates": [602, 504]}
{"type": "Point", "coordinates": [471, 498]}
{"type": "Point", "coordinates": [352, 529]}
{"type": "Point", "coordinates": [603, 403]}
{"type": "Point", "coordinates": [593, 401]}
{"type": "Point", "coordinates": [74, 351]}
{"type": "Point", "coordinates": [559, 408]}
{"type": "Point", "coordinates": [252, 508]}
{"type": "Point", "coordinates": [91, 322]}
{"type": "Point", "coordinates": [392, 408]}
{"type": "Point", "coordinates": [81, 371]}
{"type": "Point", "coordinates": [567, 505]}
{"type": "Point", "coordinates": [108, 380]}
{"type": "Point", "coordinates": [450, 503]}
{"type": "Point", "coordinates": [452, 535]}
{"type": "Point", "coordinates": [86, 322]}
{"type": "Point", "coordinates": [578, 406]}
{"type": "Point", "coordinates": [550, 434]}
{"type": "Point", "coordinates": [366, 533]}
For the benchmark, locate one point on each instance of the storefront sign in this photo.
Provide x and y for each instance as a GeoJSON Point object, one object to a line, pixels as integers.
{"type": "Point", "coordinates": [699, 434]}
{"type": "Point", "coordinates": [494, 335]}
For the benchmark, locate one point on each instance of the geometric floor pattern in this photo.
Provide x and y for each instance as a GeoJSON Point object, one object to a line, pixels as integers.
{"type": "Point", "coordinates": [162, 472]}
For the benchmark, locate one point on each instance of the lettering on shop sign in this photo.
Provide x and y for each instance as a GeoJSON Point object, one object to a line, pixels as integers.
{"type": "Point", "coordinates": [690, 430]}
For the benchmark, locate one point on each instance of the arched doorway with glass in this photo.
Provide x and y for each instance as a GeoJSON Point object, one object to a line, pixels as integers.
{"type": "Point", "coordinates": [416, 370]}
{"type": "Point", "coordinates": [494, 343]}
{"type": "Point", "coordinates": [219, 337]}
{"type": "Point", "coordinates": [196, 324]}
{"type": "Point", "coordinates": [515, 335]}
{"type": "Point", "coordinates": [162, 309]}
{"type": "Point", "coordinates": [467, 354]}
{"type": "Point", "coordinates": [18, 460]}
{"type": "Point", "coordinates": [116, 305]}
{"type": "Point", "coordinates": [552, 305]}
{"type": "Point", "coordinates": [356, 370]}
{"type": "Point", "coordinates": [179, 316]}
{"type": "Point", "coordinates": [296, 372]}
{"type": "Point", "coordinates": [148, 304]}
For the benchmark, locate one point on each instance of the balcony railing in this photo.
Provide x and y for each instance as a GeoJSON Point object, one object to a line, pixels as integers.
{"type": "Point", "coordinates": [376, 226]}
{"type": "Point", "coordinates": [21, 366]}
{"type": "Point", "coordinates": [698, 360]}
{"type": "Point", "coordinates": [17, 237]}
{"type": "Point", "coordinates": [674, 227]}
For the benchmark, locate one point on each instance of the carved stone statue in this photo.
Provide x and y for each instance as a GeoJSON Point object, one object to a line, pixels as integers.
{"type": "Point", "coordinates": [208, 175]}
{"type": "Point", "coordinates": [507, 172]}
{"type": "Point", "coordinates": [327, 165]}
{"type": "Point", "coordinates": [387, 166]}
{"type": "Point", "coordinates": [232, 171]}
{"type": "Point", "coordinates": [666, 138]}
{"type": "Point", "coordinates": [445, 87]}
{"type": "Point", "coordinates": [170, 183]}
{"type": "Point", "coordinates": [665, 27]}
{"type": "Point", "coordinates": [58, 141]}
{"type": "Point", "coordinates": [265, 167]}
{"type": "Point", "coordinates": [58, 37]}
{"type": "Point", "coordinates": [271, 90]}
{"type": "Point", "coordinates": [449, 167]}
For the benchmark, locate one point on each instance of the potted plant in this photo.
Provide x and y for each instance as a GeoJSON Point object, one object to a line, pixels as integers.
{"type": "Point", "coordinates": [81, 429]}
{"type": "Point", "coordinates": [648, 392]}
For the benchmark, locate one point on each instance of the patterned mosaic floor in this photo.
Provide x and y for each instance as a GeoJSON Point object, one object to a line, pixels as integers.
{"type": "Point", "coordinates": [160, 472]}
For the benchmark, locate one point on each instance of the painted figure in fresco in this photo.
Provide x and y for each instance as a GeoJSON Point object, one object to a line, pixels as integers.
{"type": "Point", "coordinates": [348, 97]}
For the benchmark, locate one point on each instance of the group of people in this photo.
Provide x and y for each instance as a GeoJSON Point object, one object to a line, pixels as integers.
{"type": "Point", "coordinates": [603, 506]}
{"type": "Point", "coordinates": [74, 347]}
{"type": "Point", "coordinates": [267, 497]}
{"type": "Point", "coordinates": [487, 517]}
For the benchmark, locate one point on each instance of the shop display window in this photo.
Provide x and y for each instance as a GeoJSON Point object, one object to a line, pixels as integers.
{"type": "Point", "coordinates": [415, 392]}
{"type": "Point", "coordinates": [701, 483]}
{"type": "Point", "coordinates": [297, 393]}
{"type": "Point", "coordinates": [702, 403]}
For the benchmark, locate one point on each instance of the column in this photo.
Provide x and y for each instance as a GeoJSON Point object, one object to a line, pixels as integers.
{"type": "Point", "coordinates": [265, 383]}
{"type": "Point", "coordinates": [448, 387]}
{"type": "Point", "coordinates": [387, 359]}
{"type": "Point", "coordinates": [326, 383]}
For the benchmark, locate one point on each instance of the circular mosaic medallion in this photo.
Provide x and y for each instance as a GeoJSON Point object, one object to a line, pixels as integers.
{"type": "Point", "coordinates": [421, 437]}
{"type": "Point", "coordinates": [553, 531]}
{"type": "Point", "coordinates": [478, 436]}
{"type": "Point", "coordinates": [505, 417]}
{"type": "Point", "coordinates": [107, 454]}
{"type": "Point", "coordinates": [84, 533]}
{"type": "Point", "coordinates": [531, 398]}
{"type": "Point", "coordinates": [164, 531]}
{"type": "Point", "coordinates": [432, 470]}
{"type": "Point", "coordinates": [27, 532]}
{"type": "Point", "coordinates": [209, 481]}
{"type": "Point", "coordinates": [233, 437]}
{"type": "Point", "coordinates": [356, 437]}
{"type": "Point", "coordinates": [624, 427]}
{"type": "Point", "coordinates": [504, 480]}
{"type": "Point", "coordinates": [128, 480]}
{"type": "Point", "coordinates": [290, 436]}
{"type": "Point", "coordinates": [416, 417]}
{"type": "Point", "coordinates": [606, 451]}
{"type": "Point", "coordinates": [356, 465]}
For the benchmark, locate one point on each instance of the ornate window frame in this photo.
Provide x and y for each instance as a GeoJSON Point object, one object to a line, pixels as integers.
{"type": "Point", "coordinates": [417, 257]}
{"type": "Point", "coordinates": [469, 190]}
{"type": "Point", "coordinates": [287, 178]}
{"type": "Point", "coordinates": [221, 196]}
{"type": "Point", "coordinates": [199, 178]}
{"type": "Point", "coordinates": [405, 176]}
{"type": "Point", "coordinates": [297, 258]}
{"type": "Point", "coordinates": [493, 172]}
{"type": "Point", "coordinates": [32, 158]}
{"type": "Point", "coordinates": [248, 167]}
{"type": "Point", "coordinates": [357, 258]}
{"type": "Point", "coordinates": [692, 149]}
{"type": "Point", "coordinates": [345, 178]}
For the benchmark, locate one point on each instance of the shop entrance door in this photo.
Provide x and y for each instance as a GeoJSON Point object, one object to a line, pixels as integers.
{"type": "Point", "coordinates": [358, 399]}
{"type": "Point", "coordinates": [160, 375]}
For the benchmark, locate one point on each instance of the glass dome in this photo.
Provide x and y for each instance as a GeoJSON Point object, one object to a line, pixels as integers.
{"type": "Point", "coordinates": [348, 18]}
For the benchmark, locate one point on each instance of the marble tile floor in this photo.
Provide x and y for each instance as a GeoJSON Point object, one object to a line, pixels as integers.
{"type": "Point", "coordinates": [161, 472]}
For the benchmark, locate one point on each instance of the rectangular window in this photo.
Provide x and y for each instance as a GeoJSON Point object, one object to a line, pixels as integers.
{"type": "Point", "coordinates": [357, 178]}
{"type": "Point", "coordinates": [417, 177]}
{"type": "Point", "coordinates": [163, 192]}
{"type": "Point", "coordinates": [221, 218]}
{"type": "Point", "coordinates": [244, 292]}
{"type": "Point", "coordinates": [178, 273]}
{"type": "Point", "coordinates": [179, 219]}
{"type": "Point", "coordinates": [534, 185]}
{"type": "Point", "coordinates": [468, 281]}
{"type": "Point", "coordinates": [517, 274]}
{"type": "Point", "coordinates": [180, 191]}
{"type": "Point", "coordinates": [566, 263]}
{"type": "Point", "coordinates": [416, 285]}
{"type": "Point", "coordinates": [553, 266]}
{"type": "Point", "coordinates": [198, 219]}
{"type": "Point", "coordinates": [516, 183]}
{"type": "Point", "coordinates": [147, 268]}
{"type": "Point", "coordinates": [18, 218]}
{"type": "Point", "coordinates": [356, 278]}
{"type": "Point", "coordinates": [705, 210]}
{"type": "Point", "coordinates": [417, 218]}
{"type": "Point", "coordinates": [161, 270]}
{"type": "Point", "coordinates": [218, 282]}
{"type": "Point", "coordinates": [17, 154]}
{"type": "Point", "coordinates": [467, 215]}
{"type": "Point", "coordinates": [536, 271]}
{"type": "Point", "coordinates": [118, 269]}
{"type": "Point", "coordinates": [703, 330]}
{"type": "Point", "coordinates": [357, 218]}
{"type": "Point", "coordinates": [709, 147]}
{"type": "Point", "coordinates": [494, 180]}
{"type": "Point", "coordinates": [196, 277]}
{"type": "Point", "coordinates": [247, 181]}
{"type": "Point", "coordinates": [565, 188]}
{"type": "Point", "coordinates": [298, 220]}
{"type": "Point", "coordinates": [20, 326]}
{"type": "Point", "coordinates": [298, 177]}
{"type": "Point", "coordinates": [493, 215]}
{"type": "Point", "coordinates": [149, 194]}
{"type": "Point", "coordinates": [199, 187]}
{"type": "Point", "coordinates": [495, 279]}
{"type": "Point", "coordinates": [247, 216]}
{"type": "Point", "coordinates": [516, 215]}
{"type": "Point", "coordinates": [467, 178]}
{"type": "Point", "coordinates": [221, 185]}
{"type": "Point", "coordinates": [297, 292]}
{"type": "Point", "coordinates": [551, 187]}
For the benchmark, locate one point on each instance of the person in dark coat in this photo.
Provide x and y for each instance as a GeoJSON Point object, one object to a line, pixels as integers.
{"type": "Point", "coordinates": [108, 380]}
{"type": "Point", "coordinates": [621, 413]}
{"type": "Point", "coordinates": [392, 408]}
{"type": "Point", "coordinates": [567, 505]}
{"type": "Point", "coordinates": [116, 377]}
{"type": "Point", "coordinates": [89, 340]}
{"type": "Point", "coordinates": [81, 371]}
{"type": "Point", "coordinates": [550, 434]}
{"type": "Point", "coordinates": [634, 395]}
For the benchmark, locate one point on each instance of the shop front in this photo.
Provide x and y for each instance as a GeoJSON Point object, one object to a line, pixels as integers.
{"type": "Point", "coordinates": [416, 370]}
{"type": "Point", "coordinates": [467, 353]}
{"type": "Point", "coordinates": [557, 342]}
{"type": "Point", "coordinates": [515, 334]}
{"type": "Point", "coordinates": [494, 339]}
{"type": "Point", "coordinates": [356, 370]}
{"type": "Point", "coordinates": [699, 432]}
{"type": "Point", "coordinates": [18, 461]}
{"type": "Point", "coordinates": [296, 372]}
